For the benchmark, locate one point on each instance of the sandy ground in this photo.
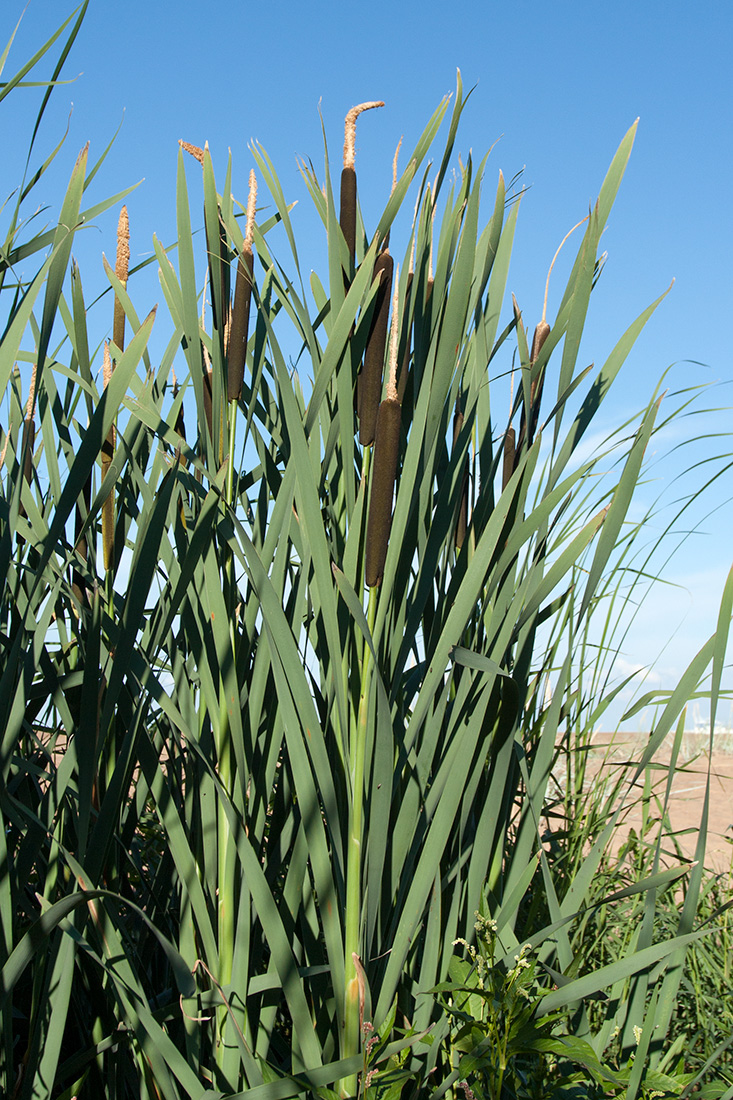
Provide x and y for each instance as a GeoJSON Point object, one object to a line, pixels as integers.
{"type": "Point", "coordinates": [687, 796]}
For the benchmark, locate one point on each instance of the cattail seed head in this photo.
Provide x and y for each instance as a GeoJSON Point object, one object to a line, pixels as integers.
{"type": "Point", "coordinates": [208, 410]}
{"type": "Point", "coordinates": [540, 335]}
{"type": "Point", "coordinates": [369, 381]}
{"type": "Point", "coordinates": [237, 348]}
{"type": "Point", "coordinates": [383, 475]}
{"type": "Point", "coordinates": [29, 440]}
{"type": "Point", "coordinates": [386, 454]}
{"type": "Point", "coordinates": [508, 469]}
{"type": "Point", "coordinates": [347, 214]}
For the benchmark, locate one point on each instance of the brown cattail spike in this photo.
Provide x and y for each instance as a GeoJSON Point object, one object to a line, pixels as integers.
{"type": "Point", "coordinates": [369, 382]}
{"type": "Point", "coordinates": [122, 267]}
{"type": "Point", "coordinates": [347, 215]}
{"type": "Point", "coordinates": [540, 335]}
{"type": "Point", "coordinates": [508, 470]}
{"type": "Point", "coordinates": [384, 468]}
{"type": "Point", "coordinates": [29, 441]}
{"type": "Point", "coordinates": [208, 407]}
{"type": "Point", "coordinates": [384, 472]}
{"type": "Point", "coordinates": [242, 299]}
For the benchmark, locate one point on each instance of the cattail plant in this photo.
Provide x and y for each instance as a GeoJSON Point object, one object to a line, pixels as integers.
{"type": "Point", "coordinates": [384, 466]}
{"type": "Point", "coordinates": [281, 795]}
{"type": "Point", "coordinates": [348, 175]}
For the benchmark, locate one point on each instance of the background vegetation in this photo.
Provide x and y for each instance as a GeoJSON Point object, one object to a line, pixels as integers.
{"type": "Point", "coordinates": [281, 701]}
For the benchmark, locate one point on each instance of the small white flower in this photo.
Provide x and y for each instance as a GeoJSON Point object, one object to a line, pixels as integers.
{"type": "Point", "coordinates": [637, 1034]}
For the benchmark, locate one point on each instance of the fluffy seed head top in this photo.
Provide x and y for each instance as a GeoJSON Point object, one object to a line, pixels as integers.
{"type": "Point", "coordinates": [251, 206]}
{"type": "Point", "coordinates": [391, 391]}
{"type": "Point", "coordinates": [122, 264]}
{"type": "Point", "coordinates": [194, 150]}
{"type": "Point", "coordinates": [350, 129]}
{"type": "Point", "coordinates": [106, 365]}
{"type": "Point", "coordinates": [31, 395]}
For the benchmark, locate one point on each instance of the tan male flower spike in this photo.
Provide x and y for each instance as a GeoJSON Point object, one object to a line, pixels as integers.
{"type": "Point", "coordinates": [122, 267]}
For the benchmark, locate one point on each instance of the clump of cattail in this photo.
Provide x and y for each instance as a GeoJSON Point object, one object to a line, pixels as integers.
{"type": "Point", "coordinates": [384, 467]}
{"type": "Point", "coordinates": [242, 298]}
{"type": "Point", "coordinates": [122, 266]}
{"type": "Point", "coordinates": [108, 450]}
{"type": "Point", "coordinates": [347, 218]}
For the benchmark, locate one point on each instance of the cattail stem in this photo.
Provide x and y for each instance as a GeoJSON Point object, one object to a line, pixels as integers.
{"type": "Point", "coordinates": [353, 913]}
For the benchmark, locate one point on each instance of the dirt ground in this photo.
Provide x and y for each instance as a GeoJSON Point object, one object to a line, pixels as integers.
{"type": "Point", "coordinates": [688, 793]}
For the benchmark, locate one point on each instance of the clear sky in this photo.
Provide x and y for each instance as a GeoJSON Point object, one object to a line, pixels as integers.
{"type": "Point", "coordinates": [558, 83]}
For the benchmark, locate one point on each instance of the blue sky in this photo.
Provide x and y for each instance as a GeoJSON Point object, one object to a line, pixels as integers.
{"type": "Point", "coordinates": [558, 83]}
